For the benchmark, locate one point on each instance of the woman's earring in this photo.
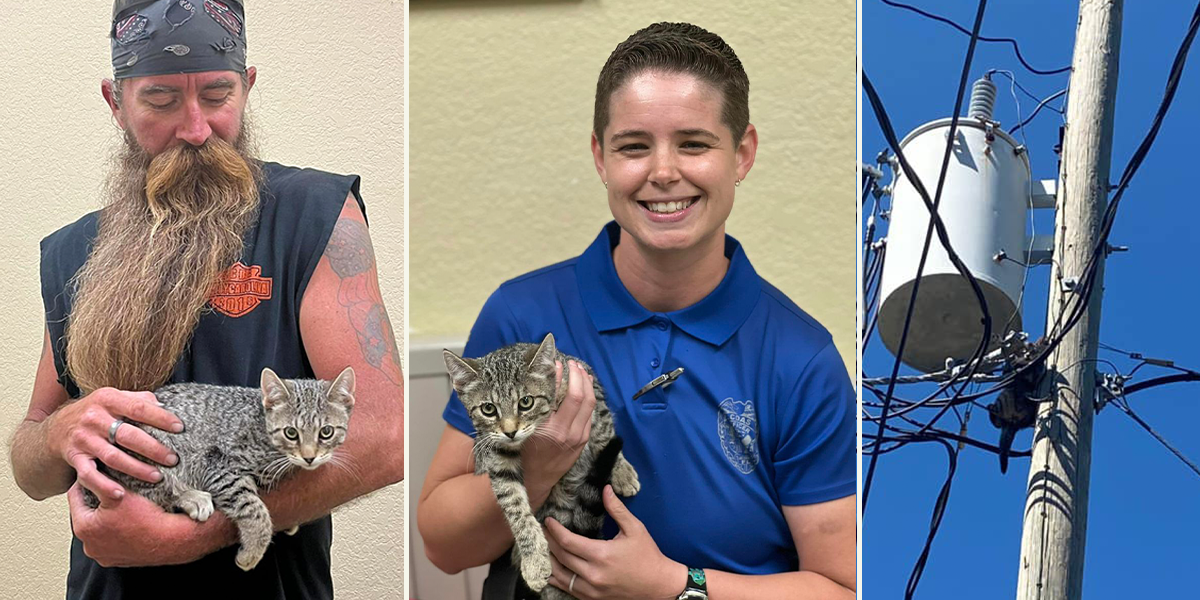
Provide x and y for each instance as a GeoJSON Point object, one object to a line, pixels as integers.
{"type": "Point", "coordinates": [737, 183]}
{"type": "Point", "coordinates": [606, 185]}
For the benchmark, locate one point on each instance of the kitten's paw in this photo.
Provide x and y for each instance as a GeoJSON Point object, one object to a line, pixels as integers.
{"type": "Point", "coordinates": [197, 504]}
{"type": "Point", "coordinates": [625, 482]}
{"type": "Point", "coordinates": [292, 530]}
{"type": "Point", "coordinates": [535, 570]}
{"type": "Point", "coordinates": [247, 558]}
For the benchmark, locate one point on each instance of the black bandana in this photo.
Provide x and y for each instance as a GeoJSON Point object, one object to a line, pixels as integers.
{"type": "Point", "coordinates": [157, 37]}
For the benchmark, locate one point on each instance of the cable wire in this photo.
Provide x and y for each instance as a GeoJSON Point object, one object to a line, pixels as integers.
{"type": "Point", "coordinates": [1125, 408]}
{"type": "Point", "coordinates": [1015, 46]}
{"type": "Point", "coordinates": [1037, 109]}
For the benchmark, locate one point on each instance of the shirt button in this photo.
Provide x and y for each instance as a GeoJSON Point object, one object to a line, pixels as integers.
{"type": "Point", "coordinates": [654, 363]}
{"type": "Point", "coordinates": [662, 325]}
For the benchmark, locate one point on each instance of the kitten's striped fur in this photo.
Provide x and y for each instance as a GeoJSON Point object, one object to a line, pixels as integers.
{"type": "Point", "coordinates": [492, 389]}
{"type": "Point", "coordinates": [237, 440]}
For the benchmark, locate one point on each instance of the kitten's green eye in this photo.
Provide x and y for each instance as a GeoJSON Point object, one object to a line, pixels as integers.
{"type": "Point", "coordinates": [291, 433]}
{"type": "Point", "coordinates": [326, 432]}
{"type": "Point", "coordinates": [488, 409]}
{"type": "Point", "coordinates": [525, 403]}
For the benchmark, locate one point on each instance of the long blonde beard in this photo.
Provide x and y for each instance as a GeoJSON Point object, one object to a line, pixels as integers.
{"type": "Point", "coordinates": [172, 225]}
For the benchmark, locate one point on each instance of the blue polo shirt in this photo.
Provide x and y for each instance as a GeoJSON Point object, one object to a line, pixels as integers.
{"type": "Point", "coordinates": [763, 416]}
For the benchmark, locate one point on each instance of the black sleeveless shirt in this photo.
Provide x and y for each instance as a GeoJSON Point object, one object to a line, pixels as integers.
{"type": "Point", "coordinates": [255, 323]}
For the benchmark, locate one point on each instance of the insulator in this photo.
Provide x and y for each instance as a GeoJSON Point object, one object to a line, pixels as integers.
{"type": "Point", "coordinates": [983, 99]}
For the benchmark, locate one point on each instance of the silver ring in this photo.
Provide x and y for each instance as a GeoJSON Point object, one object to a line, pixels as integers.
{"type": "Point", "coordinates": [571, 586]}
{"type": "Point", "coordinates": [112, 431]}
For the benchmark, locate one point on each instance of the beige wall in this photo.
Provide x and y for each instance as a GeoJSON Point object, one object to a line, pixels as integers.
{"type": "Point", "coordinates": [329, 96]}
{"type": "Point", "coordinates": [502, 176]}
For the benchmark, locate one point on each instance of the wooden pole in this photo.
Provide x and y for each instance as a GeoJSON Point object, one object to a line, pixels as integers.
{"type": "Point", "coordinates": [1055, 519]}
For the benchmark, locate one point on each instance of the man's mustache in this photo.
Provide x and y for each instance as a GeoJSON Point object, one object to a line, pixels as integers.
{"type": "Point", "coordinates": [192, 168]}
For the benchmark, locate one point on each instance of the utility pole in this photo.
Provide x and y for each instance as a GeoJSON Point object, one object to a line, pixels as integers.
{"type": "Point", "coordinates": [1055, 527]}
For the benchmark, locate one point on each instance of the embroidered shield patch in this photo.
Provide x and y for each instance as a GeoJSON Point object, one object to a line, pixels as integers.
{"type": "Point", "coordinates": [240, 290]}
{"type": "Point", "coordinates": [131, 29]}
{"type": "Point", "coordinates": [737, 427]}
{"type": "Point", "coordinates": [222, 14]}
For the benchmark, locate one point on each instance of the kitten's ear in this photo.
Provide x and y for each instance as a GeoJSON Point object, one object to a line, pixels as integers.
{"type": "Point", "coordinates": [540, 363]}
{"type": "Point", "coordinates": [463, 372]}
{"type": "Point", "coordinates": [342, 388]}
{"type": "Point", "coordinates": [274, 391]}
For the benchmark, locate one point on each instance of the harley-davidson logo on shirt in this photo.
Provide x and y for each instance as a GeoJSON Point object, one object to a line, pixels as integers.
{"type": "Point", "coordinates": [241, 289]}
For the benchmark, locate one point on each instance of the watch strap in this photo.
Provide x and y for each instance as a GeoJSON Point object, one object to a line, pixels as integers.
{"type": "Point", "coordinates": [697, 586]}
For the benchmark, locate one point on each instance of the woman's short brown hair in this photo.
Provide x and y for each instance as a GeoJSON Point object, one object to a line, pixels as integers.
{"type": "Point", "coordinates": [677, 48]}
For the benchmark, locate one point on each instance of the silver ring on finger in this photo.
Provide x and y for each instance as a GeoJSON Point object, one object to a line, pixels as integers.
{"type": "Point", "coordinates": [112, 430]}
{"type": "Point", "coordinates": [571, 586]}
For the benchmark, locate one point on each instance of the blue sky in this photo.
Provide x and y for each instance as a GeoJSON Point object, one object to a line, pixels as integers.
{"type": "Point", "coordinates": [1144, 509]}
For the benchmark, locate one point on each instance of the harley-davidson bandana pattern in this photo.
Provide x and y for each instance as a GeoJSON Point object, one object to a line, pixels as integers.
{"type": "Point", "coordinates": [223, 15]}
{"type": "Point", "coordinates": [131, 29]}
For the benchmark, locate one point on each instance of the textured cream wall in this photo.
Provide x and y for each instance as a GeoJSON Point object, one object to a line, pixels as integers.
{"type": "Point", "coordinates": [329, 95]}
{"type": "Point", "coordinates": [502, 176]}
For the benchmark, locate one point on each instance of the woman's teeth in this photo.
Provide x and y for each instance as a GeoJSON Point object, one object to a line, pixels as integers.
{"type": "Point", "coordinates": [668, 207]}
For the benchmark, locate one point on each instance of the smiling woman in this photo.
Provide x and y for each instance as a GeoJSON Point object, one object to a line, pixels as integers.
{"type": "Point", "coordinates": [671, 164]}
{"type": "Point", "coordinates": [751, 424]}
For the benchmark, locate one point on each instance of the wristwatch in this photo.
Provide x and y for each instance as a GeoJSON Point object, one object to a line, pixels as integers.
{"type": "Point", "coordinates": [697, 588]}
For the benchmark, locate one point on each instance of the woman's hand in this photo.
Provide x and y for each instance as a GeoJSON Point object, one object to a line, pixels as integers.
{"type": "Point", "coordinates": [556, 444]}
{"type": "Point", "coordinates": [628, 566]}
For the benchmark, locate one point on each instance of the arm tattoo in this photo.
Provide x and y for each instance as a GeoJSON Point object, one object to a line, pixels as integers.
{"type": "Point", "coordinates": [349, 249]}
{"type": "Point", "coordinates": [353, 261]}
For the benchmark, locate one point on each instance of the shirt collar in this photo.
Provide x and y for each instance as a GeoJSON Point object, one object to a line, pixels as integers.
{"type": "Point", "coordinates": [713, 319]}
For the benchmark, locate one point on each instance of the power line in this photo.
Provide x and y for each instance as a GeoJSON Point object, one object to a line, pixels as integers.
{"type": "Point", "coordinates": [935, 521]}
{"type": "Point", "coordinates": [1015, 46]}
{"type": "Point", "coordinates": [1125, 408]}
{"type": "Point", "coordinates": [1013, 79]}
{"type": "Point", "coordinates": [1036, 109]}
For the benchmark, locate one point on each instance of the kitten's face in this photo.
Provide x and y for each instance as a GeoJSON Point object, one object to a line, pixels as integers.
{"type": "Point", "coordinates": [507, 393]}
{"type": "Point", "coordinates": [307, 420]}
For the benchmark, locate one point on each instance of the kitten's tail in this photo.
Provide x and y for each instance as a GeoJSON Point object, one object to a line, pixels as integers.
{"type": "Point", "coordinates": [602, 467]}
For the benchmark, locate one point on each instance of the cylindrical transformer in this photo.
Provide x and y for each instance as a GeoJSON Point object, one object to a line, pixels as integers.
{"type": "Point", "coordinates": [984, 206]}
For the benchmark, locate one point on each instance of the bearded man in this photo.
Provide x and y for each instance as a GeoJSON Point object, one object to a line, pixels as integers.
{"type": "Point", "coordinates": [205, 265]}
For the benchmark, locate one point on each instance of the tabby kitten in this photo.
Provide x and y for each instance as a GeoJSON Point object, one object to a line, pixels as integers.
{"type": "Point", "coordinates": [508, 394]}
{"type": "Point", "coordinates": [237, 440]}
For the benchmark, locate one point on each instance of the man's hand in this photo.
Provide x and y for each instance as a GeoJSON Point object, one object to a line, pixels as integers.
{"type": "Point", "coordinates": [133, 531]}
{"type": "Point", "coordinates": [557, 443]}
{"type": "Point", "coordinates": [628, 566]}
{"type": "Point", "coordinates": [78, 433]}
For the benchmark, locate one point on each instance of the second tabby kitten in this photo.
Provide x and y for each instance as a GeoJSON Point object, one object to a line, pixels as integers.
{"type": "Point", "coordinates": [237, 440]}
{"type": "Point", "coordinates": [508, 394]}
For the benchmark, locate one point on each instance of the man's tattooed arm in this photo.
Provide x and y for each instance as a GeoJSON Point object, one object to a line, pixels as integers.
{"type": "Point", "coordinates": [353, 261]}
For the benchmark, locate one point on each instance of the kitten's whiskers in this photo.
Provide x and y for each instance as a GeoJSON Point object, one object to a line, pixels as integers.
{"type": "Point", "coordinates": [275, 470]}
{"type": "Point", "coordinates": [548, 434]}
{"type": "Point", "coordinates": [346, 464]}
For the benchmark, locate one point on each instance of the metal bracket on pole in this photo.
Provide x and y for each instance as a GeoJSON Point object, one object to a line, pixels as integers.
{"type": "Point", "coordinates": [1041, 251]}
{"type": "Point", "coordinates": [1043, 193]}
